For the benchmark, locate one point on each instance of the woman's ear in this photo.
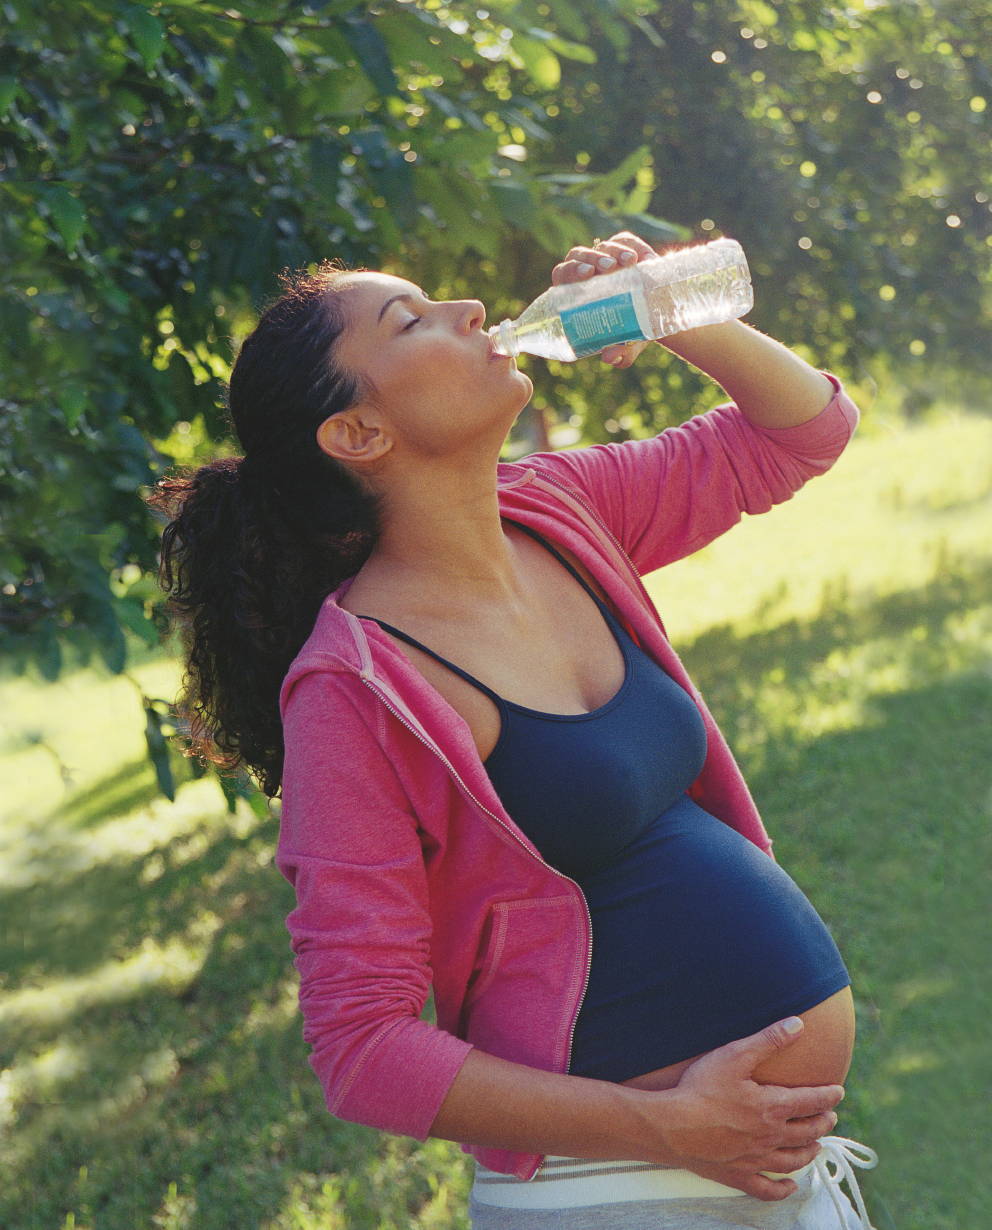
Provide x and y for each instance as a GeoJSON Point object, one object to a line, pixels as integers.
{"type": "Point", "coordinates": [354, 437]}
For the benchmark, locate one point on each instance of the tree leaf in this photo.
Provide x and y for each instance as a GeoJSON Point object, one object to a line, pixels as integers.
{"type": "Point", "coordinates": [72, 402]}
{"type": "Point", "coordinates": [8, 92]}
{"type": "Point", "coordinates": [539, 62]}
{"type": "Point", "coordinates": [572, 51]}
{"type": "Point", "coordinates": [147, 33]}
{"type": "Point", "coordinates": [607, 190]}
{"type": "Point", "coordinates": [325, 166]}
{"type": "Point", "coordinates": [158, 752]}
{"type": "Point", "coordinates": [373, 55]}
{"type": "Point", "coordinates": [657, 229]}
{"type": "Point", "coordinates": [230, 789]}
{"type": "Point", "coordinates": [67, 213]}
{"type": "Point", "coordinates": [48, 654]}
{"type": "Point", "coordinates": [109, 639]}
{"type": "Point", "coordinates": [514, 202]}
{"type": "Point", "coordinates": [131, 613]}
{"type": "Point", "coordinates": [14, 323]}
{"type": "Point", "coordinates": [267, 62]}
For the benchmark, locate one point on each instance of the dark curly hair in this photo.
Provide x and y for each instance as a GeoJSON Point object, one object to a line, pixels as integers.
{"type": "Point", "coordinates": [254, 544]}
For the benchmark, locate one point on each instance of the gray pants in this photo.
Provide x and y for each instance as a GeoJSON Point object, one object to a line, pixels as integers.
{"type": "Point", "coordinates": [811, 1207]}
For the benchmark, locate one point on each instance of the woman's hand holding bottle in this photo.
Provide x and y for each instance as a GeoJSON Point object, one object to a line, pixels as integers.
{"type": "Point", "coordinates": [603, 256]}
{"type": "Point", "coordinates": [639, 295]}
{"type": "Point", "coordinates": [771, 384]}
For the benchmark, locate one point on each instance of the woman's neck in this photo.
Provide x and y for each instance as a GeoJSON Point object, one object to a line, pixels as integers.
{"type": "Point", "coordinates": [444, 539]}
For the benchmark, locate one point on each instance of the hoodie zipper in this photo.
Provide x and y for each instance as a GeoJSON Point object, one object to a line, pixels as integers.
{"type": "Point", "coordinates": [503, 825]}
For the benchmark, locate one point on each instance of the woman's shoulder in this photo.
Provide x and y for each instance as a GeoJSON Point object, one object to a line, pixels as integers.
{"type": "Point", "coordinates": [331, 651]}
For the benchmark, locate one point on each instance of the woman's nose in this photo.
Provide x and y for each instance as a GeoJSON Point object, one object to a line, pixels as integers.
{"type": "Point", "coordinates": [473, 314]}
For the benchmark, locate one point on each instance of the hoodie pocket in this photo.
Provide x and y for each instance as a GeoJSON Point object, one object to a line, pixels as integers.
{"type": "Point", "coordinates": [522, 1001]}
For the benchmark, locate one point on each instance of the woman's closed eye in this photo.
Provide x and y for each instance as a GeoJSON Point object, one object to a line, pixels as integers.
{"type": "Point", "coordinates": [410, 323]}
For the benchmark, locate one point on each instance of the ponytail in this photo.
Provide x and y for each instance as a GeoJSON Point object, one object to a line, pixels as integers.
{"type": "Point", "coordinates": [254, 544]}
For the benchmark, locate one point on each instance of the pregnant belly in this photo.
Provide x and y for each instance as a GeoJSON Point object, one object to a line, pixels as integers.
{"type": "Point", "coordinates": [820, 1056]}
{"type": "Point", "coordinates": [699, 939]}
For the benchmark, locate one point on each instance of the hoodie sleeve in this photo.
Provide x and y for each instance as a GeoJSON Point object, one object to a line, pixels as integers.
{"type": "Point", "coordinates": [665, 497]}
{"type": "Point", "coordinates": [361, 929]}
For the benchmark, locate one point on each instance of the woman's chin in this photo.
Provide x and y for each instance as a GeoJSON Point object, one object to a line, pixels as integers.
{"type": "Point", "coordinates": [525, 390]}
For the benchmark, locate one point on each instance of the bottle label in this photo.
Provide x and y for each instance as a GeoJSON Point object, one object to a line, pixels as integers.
{"type": "Point", "coordinates": [592, 326]}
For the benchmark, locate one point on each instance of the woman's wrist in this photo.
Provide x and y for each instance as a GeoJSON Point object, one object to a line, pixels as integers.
{"type": "Point", "coordinates": [643, 1119]}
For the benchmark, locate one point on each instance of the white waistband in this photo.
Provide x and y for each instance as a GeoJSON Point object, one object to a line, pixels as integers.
{"type": "Point", "coordinates": [568, 1182]}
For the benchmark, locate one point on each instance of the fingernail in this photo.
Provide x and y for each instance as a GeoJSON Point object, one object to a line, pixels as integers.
{"type": "Point", "coordinates": [792, 1025]}
{"type": "Point", "coordinates": [627, 258]}
{"type": "Point", "coordinates": [584, 269]}
{"type": "Point", "coordinates": [606, 262]}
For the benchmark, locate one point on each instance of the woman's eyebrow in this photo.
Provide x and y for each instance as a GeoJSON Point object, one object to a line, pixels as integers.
{"type": "Point", "coordinates": [402, 295]}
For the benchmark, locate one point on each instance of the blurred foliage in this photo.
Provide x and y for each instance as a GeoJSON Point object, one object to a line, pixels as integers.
{"type": "Point", "coordinates": [848, 148]}
{"type": "Point", "coordinates": [160, 162]}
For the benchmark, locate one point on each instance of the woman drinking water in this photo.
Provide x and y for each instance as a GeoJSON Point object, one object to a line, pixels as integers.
{"type": "Point", "coordinates": [498, 781]}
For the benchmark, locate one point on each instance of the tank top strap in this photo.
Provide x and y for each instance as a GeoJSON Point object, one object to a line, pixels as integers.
{"type": "Point", "coordinates": [403, 636]}
{"type": "Point", "coordinates": [562, 560]}
{"type": "Point", "coordinates": [611, 619]}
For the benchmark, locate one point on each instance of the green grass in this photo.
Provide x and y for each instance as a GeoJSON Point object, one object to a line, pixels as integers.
{"type": "Point", "coordinates": [154, 1075]}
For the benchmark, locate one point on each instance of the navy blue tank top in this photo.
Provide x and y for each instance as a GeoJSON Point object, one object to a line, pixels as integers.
{"type": "Point", "coordinates": [698, 936]}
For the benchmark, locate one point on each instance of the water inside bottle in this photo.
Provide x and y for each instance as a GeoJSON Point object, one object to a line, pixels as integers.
{"type": "Point", "coordinates": [700, 299]}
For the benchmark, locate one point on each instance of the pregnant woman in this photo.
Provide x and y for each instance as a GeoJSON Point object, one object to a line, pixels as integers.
{"type": "Point", "coordinates": [498, 780]}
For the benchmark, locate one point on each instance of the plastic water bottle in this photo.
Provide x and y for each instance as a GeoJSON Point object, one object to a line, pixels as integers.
{"type": "Point", "coordinates": [702, 285]}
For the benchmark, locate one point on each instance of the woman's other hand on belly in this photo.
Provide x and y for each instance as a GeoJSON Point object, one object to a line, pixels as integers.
{"type": "Point", "coordinates": [729, 1125]}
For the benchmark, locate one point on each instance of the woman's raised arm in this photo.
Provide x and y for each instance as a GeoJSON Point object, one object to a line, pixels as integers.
{"type": "Point", "coordinates": [771, 384]}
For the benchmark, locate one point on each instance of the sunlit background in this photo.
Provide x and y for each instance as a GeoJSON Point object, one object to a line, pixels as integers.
{"type": "Point", "coordinates": [159, 163]}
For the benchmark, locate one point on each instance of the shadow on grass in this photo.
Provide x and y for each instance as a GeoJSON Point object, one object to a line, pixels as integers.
{"type": "Point", "coordinates": [129, 787]}
{"type": "Point", "coordinates": [886, 827]}
{"type": "Point", "coordinates": [727, 665]}
{"type": "Point", "coordinates": [198, 1078]}
{"type": "Point", "coordinates": [192, 1072]}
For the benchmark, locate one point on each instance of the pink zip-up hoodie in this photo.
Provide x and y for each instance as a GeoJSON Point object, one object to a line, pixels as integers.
{"type": "Point", "coordinates": [408, 871]}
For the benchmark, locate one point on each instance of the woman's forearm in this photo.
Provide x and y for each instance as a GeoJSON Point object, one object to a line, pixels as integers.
{"type": "Point", "coordinates": [772, 385]}
{"type": "Point", "coordinates": [716, 1120]}
{"type": "Point", "coordinates": [509, 1106]}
